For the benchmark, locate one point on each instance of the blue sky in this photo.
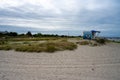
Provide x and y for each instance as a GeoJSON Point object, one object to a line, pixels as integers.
{"type": "Point", "coordinates": [62, 15]}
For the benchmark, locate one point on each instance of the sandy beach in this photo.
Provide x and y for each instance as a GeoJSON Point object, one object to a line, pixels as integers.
{"type": "Point", "coordinates": [84, 63]}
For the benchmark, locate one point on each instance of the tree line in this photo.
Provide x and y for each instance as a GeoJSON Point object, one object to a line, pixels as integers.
{"type": "Point", "coordinates": [29, 34]}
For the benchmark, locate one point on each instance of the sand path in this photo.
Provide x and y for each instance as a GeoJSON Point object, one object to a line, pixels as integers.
{"type": "Point", "coordinates": [85, 63]}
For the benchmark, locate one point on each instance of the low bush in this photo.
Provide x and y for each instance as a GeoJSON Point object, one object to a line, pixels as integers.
{"type": "Point", "coordinates": [70, 46]}
{"type": "Point", "coordinates": [32, 39]}
{"type": "Point", "coordinates": [90, 43]}
{"type": "Point", "coordinates": [47, 47]}
{"type": "Point", "coordinates": [50, 49]}
{"type": "Point", "coordinates": [5, 47]}
{"type": "Point", "coordinates": [101, 41]}
{"type": "Point", "coordinates": [64, 40]}
{"type": "Point", "coordinates": [3, 42]}
{"type": "Point", "coordinates": [93, 44]}
{"type": "Point", "coordinates": [84, 43]}
{"type": "Point", "coordinates": [29, 48]}
{"type": "Point", "coordinates": [26, 42]}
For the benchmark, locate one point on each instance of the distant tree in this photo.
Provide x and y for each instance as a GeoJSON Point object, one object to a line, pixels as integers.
{"type": "Point", "coordinates": [37, 35]}
{"type": "Point", "coordinates": [12, 34]}
{"type": "Point", "coordinates": [22, 35]}
{"type": "Point", "coordinates": [6, 33]}
{"type": "Point", "coordinates": [1, 34]}
{"type": "Point", "coordinates": [29, 34]}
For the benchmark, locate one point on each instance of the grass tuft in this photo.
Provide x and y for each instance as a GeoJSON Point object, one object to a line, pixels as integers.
{"type": "Point", "coordinates": [50, 49]}
{"type": "Point", "coordinates": [5, 47]}
{"type": "Point", "coordinates": [47, 47]}
{"type": "Point", "coordinates": [27, 45]}
{"type": "Point", "coordinates": [101, 41]}
{"type": "Point", "coordinates": [84, 43]}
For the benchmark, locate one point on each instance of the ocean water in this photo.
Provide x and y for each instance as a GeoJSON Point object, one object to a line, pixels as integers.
{"type": "Point", "coordinates": [114, 38]}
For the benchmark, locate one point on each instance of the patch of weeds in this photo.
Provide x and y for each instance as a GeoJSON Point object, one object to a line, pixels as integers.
{"type": "Point", "coordinates": [5, 47]}
{"type": "Point", "coordinates": [50, 49]}
{"type": "Point", "coordinates": [84, 43]}
{"type": "Point", "coordinates": [26, 42]}
{"type": "Point", "coordinates": [41, 47]}
{"type": "Point", "coordinates": [64, 40]}
{"type": "Point", "coordinates": [71, 46]}
{"type": "Point", "coordinates": [3, 42]}
{"type": "Point", "coordinates": [21, 48]}
{"type": "Point", "coordinates": [101, 41]}
{"type": "Point", "coordinates": [93, 44]}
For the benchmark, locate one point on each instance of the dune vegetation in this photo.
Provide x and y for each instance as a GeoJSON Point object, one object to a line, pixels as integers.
{"type": "Point", "coordinates": [35, 42]}
{"type": "Point", "coordinates": [43, 42]}
{"type": "Point", "coordinates": [94, 42]}
{"type": "Point", "coordinates": [50, 45]}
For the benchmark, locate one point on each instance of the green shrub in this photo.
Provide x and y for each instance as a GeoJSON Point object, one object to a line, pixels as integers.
{"type": "Point", "coordinates": [29, 48]}
{"type": "Point", "coordinates": [5, 47]}
{"type": "Point", "coordinates": [50, 49]}
{"type": "Point", "coordinates": [3, 42]}
{"type": "Point", "coordinates": [64, 40]}
{"type": "Point", "coordinates": [26, 42]}
{"type": "Point", "coordinates": [94, 44]}
{"type": "Point", "coordinates": [41, 47]}
{"type": "Point", "coordinates": [22, 49]}
{"type": "Point", "coordinates": [71, 46]}
{"type": "Point", "coordinates": [84, 43]}
{"type": "Point", "coordinates": [101, 41]}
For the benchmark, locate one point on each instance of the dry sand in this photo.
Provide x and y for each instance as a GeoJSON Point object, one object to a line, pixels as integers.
{"type": "Point", "coordinates": [85, 63]}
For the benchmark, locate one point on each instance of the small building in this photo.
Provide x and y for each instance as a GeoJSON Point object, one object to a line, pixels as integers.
{"type": "Point", "coordinates": [90, 34]}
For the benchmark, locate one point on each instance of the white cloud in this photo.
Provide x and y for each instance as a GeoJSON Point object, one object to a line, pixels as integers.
{"type": "Point", "coordinates": [10, 3]}
{"type": "Point", "coordinates": [38, 24]}
{"type": "Point", "coordinates": [98, 4]}
{"type": "Point", "coordinates": [59, 7]}
{"type": "Point", "coordinates": [59, 14]}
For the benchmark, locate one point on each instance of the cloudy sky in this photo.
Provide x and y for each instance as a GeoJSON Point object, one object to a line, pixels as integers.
{"type": "Point", "coordinates": [62, 15]}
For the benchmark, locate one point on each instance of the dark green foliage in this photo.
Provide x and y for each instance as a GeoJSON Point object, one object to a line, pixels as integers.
{"type": "Point", "coordinates": [12, 34]}
{"type": "Point", "coordinates": [84, 43]}
{"type": "Point", "coordinates": [2, 42]}
{"type": "Point", "coordinates": [6, 34]}
{"type": "Point", "coordinates": [37, 35]}
{"type": "Point", "coordinates": [50, 49]}
{"type": "Point", "coordinates": [72, 46]}
{"type": "Point", "coordinates": [29, 34]}
{"type": "Point", "coordinates": [101, 41]}
{"type": "Point", "coordinates": [90, 43]}
{"type": "Point", "coordinates": [28, 48]}
{"type": "Point", "coordinates": [5, 47]}
{"type": "Point", "coordinates": [33, 39]}
{"type": "Point", "coordinates": [94, 44]}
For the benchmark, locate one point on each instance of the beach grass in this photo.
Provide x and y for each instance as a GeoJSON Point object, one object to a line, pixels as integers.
{"type": "Point", "coordinates": [101, 41]}
{"type": "Point", "coordinates": [5, 47]}
{"type": "Point", "coordinates": [33, 39]}
{"type": "Point", "coordinates": [94, 42]}
{"type": "Point", "coordinates": [84, 43]}
{"type": "Point", "coordinates": [51, 45]}
{"type": "Point", "coordinates": [47, 47]}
